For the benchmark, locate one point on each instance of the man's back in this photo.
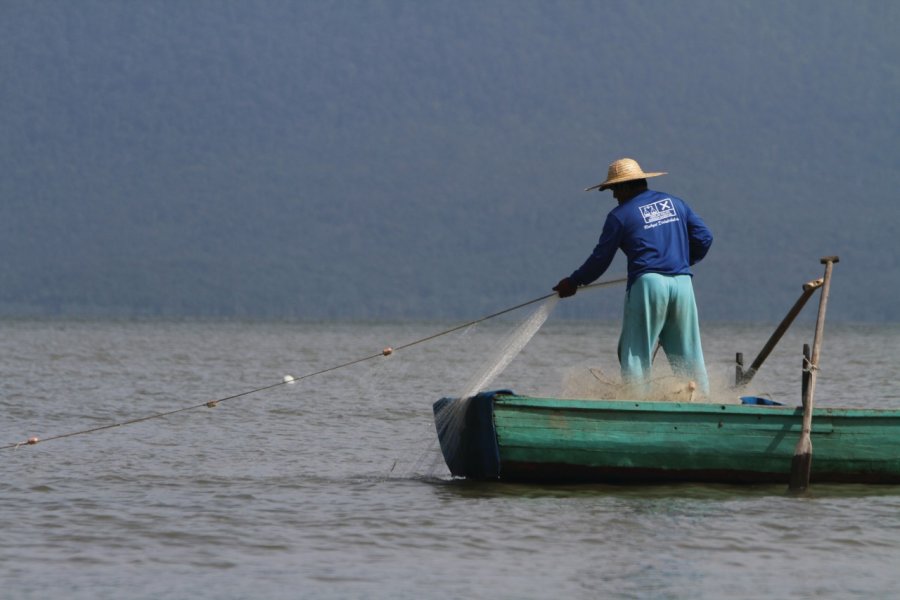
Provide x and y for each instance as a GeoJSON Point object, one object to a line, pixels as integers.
{"type": "Point", "coordinates": [659, 233]}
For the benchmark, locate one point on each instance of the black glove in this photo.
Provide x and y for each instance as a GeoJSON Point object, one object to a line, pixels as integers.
{"type": "Point", "coordinates": [566, 287]}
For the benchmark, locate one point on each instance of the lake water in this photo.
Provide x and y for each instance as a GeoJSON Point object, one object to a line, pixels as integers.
{"type": "Point", "coordinates": [332, 487]}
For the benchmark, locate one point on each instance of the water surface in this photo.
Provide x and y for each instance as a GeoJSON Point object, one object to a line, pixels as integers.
{"type": "Point", "coordinates": [332, 487]}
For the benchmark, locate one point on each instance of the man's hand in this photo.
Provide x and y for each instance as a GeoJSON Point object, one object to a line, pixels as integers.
{"type": "Point", "coordinates": [566, 287]}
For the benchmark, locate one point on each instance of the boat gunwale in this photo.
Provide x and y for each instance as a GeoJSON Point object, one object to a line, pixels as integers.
{"type": "Point", "coordinates": [651, 406]}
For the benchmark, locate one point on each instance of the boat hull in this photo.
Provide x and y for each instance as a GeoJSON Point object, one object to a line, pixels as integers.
{"type": "Point", "coordinates": [502, 436]}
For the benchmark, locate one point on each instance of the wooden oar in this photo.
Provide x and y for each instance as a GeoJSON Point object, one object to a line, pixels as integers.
{"type": "Point", "coordinates": [808, 289]}
{"type": "Point", "coordinates": [802, 460]}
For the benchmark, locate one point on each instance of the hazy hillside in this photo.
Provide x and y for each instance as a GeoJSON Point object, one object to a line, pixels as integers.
{"type": "Point", "coordinates": [426, 159]}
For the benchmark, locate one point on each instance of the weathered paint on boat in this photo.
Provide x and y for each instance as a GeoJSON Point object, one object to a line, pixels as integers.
{"type": "Point", "coordinates": [516, 438]}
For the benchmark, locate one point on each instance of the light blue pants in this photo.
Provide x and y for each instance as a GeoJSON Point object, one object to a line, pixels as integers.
{"type": "Point", "coordinates": [661, 307]}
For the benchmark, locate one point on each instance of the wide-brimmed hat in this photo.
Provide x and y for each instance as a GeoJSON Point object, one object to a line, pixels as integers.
{"type": "Point", "coordinates": [622, 170]}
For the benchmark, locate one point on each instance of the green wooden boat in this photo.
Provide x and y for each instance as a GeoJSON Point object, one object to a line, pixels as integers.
{"type": "Point", "coordinates": [503, 436]}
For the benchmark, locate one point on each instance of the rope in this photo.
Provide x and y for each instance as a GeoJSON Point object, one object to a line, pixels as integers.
{"type": "Point", "coordinates": [211, 403]}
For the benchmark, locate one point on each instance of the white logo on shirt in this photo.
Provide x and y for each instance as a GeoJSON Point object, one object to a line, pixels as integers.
{"type": "Point", "coordinates": [658, 213]}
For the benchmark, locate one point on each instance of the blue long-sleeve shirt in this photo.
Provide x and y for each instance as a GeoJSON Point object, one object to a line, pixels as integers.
{"type": "Point", "coordinates": [659, 233]}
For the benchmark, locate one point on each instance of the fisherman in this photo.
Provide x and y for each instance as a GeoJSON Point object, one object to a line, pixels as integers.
{"type": "Point", "coordinates": [661, 237]}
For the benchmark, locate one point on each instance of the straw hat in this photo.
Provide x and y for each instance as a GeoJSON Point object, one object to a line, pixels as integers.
{"type": "Point", "coordinates": [624, 169]}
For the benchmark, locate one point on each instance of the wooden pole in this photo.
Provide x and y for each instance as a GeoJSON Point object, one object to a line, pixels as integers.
{"type": "Point", "coordinates": [804, 369]}
{"type": "Point", "coordinates": [808, 289]}
{"type": "Point", "coordinates": [802, 461]}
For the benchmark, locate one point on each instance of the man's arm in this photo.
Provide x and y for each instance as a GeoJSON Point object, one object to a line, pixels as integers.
{"type": "Point", "coordinates": [603, 254]}
{"type": "Point", "coordinates": [700, 237]}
